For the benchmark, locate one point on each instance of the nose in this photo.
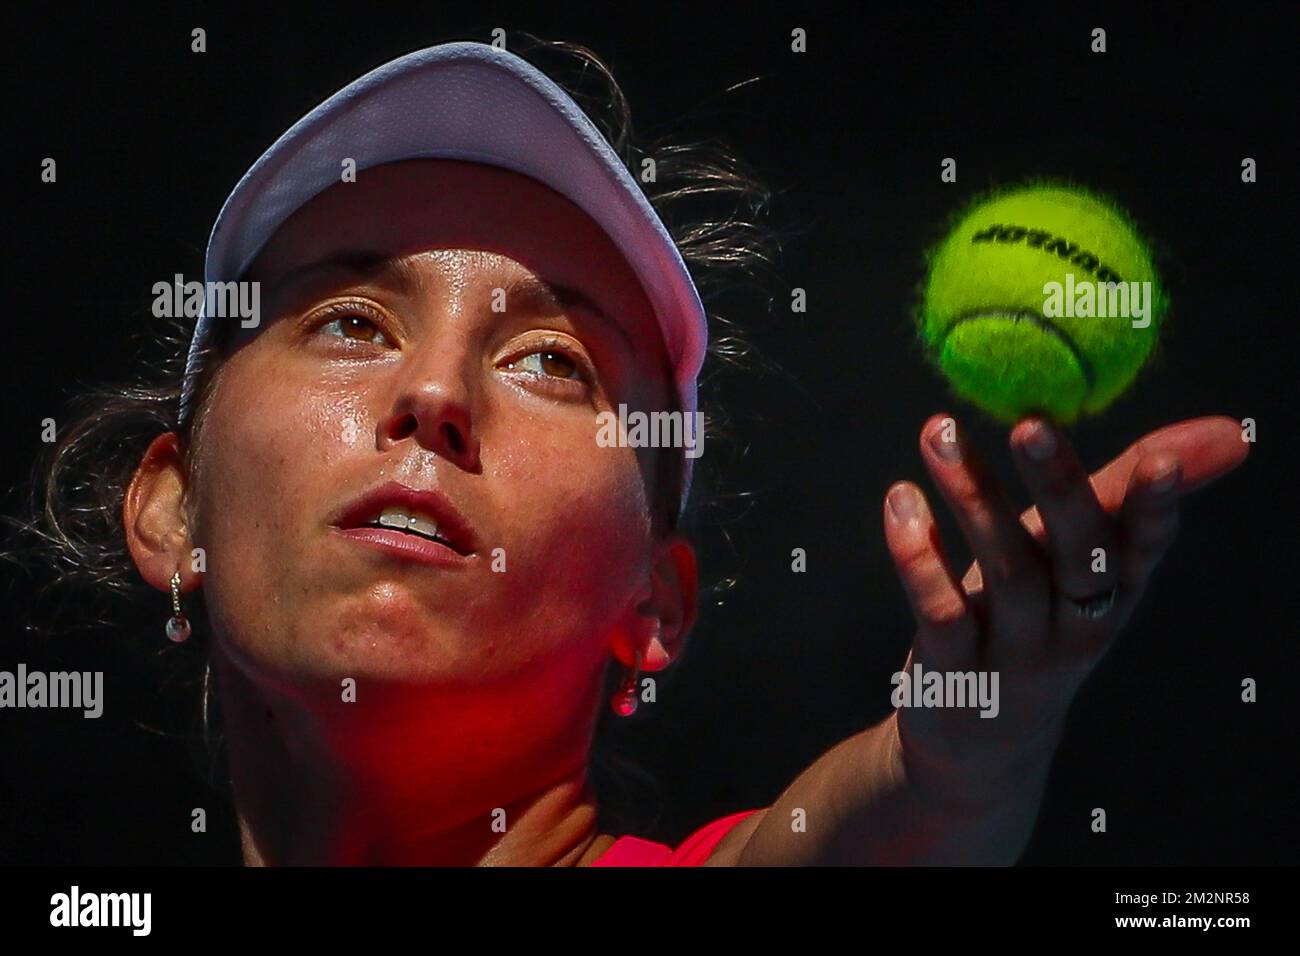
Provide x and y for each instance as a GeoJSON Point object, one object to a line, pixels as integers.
{"type": "Point", "coordinates": [433, 408]}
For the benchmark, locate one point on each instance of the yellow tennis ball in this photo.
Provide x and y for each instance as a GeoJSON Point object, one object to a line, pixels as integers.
{"type": "Point", "coordinates": [1042, 299]}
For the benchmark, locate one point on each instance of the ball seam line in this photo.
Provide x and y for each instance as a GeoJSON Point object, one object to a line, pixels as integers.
{"type": "Point", "coordinates": [1016, 315]}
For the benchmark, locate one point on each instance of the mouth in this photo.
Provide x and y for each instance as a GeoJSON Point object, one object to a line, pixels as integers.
{"type": "Point", "coordinates": [412, 522]}
{"type": "Point", "coordinates": [422, 526]}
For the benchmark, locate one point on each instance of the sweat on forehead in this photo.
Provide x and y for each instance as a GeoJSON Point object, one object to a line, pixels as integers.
{"type": "Point", "coordinates": [482, 232]}
{"type": "Point", "coordinates": [412, 206]}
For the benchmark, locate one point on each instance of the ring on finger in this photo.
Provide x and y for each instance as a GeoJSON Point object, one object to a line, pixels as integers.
{"type": "Point", "coordinates": [1095, 607]}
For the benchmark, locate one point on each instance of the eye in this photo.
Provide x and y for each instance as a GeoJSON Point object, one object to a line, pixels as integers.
{"type": "Point", "coordinates": [351, 321]}
{"type": "Point", "coordinates": [357, 327]}
{"type": "Point", "coordinates": [552, 365]}
{"type": "Point", "coordinates": [548, 362]}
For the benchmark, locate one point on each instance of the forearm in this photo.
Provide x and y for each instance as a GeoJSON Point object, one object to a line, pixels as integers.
{"type": "Point", "coordinates": [862, 807]}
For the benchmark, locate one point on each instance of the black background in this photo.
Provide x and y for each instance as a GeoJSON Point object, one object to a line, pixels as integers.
{"type": "Point", "coordinates": [150, 138]}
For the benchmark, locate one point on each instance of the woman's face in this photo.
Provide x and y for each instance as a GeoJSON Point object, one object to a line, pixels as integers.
{"type": "Point", "coordinates": [408, 336]}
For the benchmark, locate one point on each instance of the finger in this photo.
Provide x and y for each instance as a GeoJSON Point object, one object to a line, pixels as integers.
{"type": "Point", "coordinates": [1205, 448]}
{"type": "Point", "coordinates": [1082, 543]}
{"type": "Point", "coordinates": [1149, 521]}
{"type": "Point", "coordinates": [947, 632]}
{"type": "Point", "coordinates": [1014, 574]}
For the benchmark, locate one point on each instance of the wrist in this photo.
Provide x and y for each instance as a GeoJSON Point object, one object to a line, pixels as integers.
{"type": "Point", "coordinates": [975, 787]}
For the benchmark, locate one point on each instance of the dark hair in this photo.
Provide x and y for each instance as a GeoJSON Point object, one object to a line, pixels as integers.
{"type": "Point", "coordinates": [711, 203]}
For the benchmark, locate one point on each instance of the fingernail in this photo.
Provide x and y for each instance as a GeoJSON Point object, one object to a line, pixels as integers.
{"type": "Point", "coordinates": [904, 503]}
{"type": "Point", "coordinates": [946, 443]}
{"type": "Point", "coordinates": [1165, 480]}
{"type": "Point", "coordinates": [1040, 443]}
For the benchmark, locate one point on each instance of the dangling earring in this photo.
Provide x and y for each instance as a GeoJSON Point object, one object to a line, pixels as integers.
{"type": "Point", "coordinates": [178, 625]}
{"type": "Point", "coordinates": [625, 698]}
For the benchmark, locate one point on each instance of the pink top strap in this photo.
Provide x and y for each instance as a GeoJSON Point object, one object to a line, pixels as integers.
{"type": "Point", "coordinates": [693, 851]}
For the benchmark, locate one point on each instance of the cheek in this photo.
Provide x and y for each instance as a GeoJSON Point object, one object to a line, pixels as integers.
{"type": "Point", "coordinates": [264, 446]}
{"type": "Point", "coordinates": [577, 514]}
{"type": "Point", "coordinates": [263, 470]}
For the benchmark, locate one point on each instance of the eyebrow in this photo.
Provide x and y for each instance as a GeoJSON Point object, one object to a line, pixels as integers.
{"type": "Point", "coordinates": [547, 295]}
{"type": "Point", "coordinates": [360, 263]}
{"type": "Point", "coordinates": [540, 294]}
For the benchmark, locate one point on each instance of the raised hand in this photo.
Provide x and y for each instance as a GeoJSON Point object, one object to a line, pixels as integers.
{"type": "Point", "coordinates": [1049, 591]}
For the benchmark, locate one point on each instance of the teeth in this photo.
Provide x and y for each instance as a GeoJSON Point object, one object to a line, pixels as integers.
{"type": "Point", "coordinates": [397, 518]}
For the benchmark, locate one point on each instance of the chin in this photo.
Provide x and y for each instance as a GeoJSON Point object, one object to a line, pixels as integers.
{"type": "Point", "coordinates": [316, 662]}
{"type": "Point", "coordinates": [388, 652]}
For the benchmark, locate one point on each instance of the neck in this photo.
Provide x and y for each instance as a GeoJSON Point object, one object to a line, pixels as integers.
{"type": "Point", "coordinates": [405, 780]}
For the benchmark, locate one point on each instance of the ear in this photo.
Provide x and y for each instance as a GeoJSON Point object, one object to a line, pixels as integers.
{"type": "Point", "coordinates": [153, 516]}
{"type": "Point", "coordinates": [665, 618]}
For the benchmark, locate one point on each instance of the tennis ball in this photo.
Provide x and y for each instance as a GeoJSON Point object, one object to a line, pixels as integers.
{"type": "Point", "coordinates": [1042, 299]}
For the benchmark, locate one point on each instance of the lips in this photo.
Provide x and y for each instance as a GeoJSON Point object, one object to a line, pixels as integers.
{"type": "Point", "coordinates": [413, 522]}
